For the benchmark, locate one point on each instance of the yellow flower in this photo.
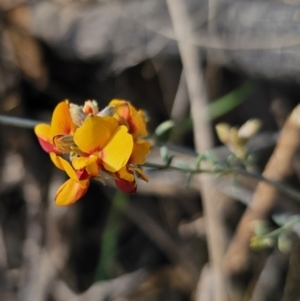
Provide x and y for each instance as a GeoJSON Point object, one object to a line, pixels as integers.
{"type": "Point", "coordinates": [99, 144]}
{"type": "Point", "coordinates": [237, 138]}
{"type": "Point", "coordinates": [105, 145]}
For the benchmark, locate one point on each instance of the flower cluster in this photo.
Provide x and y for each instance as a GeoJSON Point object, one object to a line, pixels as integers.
{"type": "Point", "coordinates": [86, 144]}
{"type": "Point", "coordinates": [237, 138]}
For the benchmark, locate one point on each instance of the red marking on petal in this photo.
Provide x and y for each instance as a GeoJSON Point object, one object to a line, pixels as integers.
{"type": "Point", "coordinates": [126, 186]}
{"type": "Point", "coordinates": [83, 174]}
{"type": "Point", "coordinates": [47, 146]}
{"type": "Point", "coordinates": [132, 126]}
{"type": "Point", "coordinates": [125, 113]}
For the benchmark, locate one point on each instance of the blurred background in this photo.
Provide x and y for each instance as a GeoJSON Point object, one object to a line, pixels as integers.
{"type": "Point", "coordinates": [193, 63]}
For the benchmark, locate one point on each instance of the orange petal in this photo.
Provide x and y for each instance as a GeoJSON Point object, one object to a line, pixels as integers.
{"type": "Point", "coordinates": [138, 123]}
{"type": "Point", "coordinates": [126, 174]}
{"type": "Point", "coordinates": [117, 102]}
{"type": "Point", "coordinates": [95, 132]}
{"type": "Point", "coordinates": [135, 119]}
{"type": "Point", "coordinates": [89, 163]}
{"type": "Point", "coordinates": [42, 132]}
{"type": "Point", "coordinates": [56, 161]}
{"type": "Point", "coordinates": [116, 153]}
{"type": "Point", "coordinates": [70, 192]}
{"type": "Point", "coordinates": [121, 109]}
{"type": "Point", "coordinates": [63, 164]}
{"type": "Point", "coordinates": [141, 173]}
{"type": "Point", "coordinates": [140, 150]}
{"type": "Point", "coordinates": [61, 122]}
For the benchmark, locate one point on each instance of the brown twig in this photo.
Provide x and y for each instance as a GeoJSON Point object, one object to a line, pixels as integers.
{"type": "Point", "coordinates": [180, 105]}
{"type": "Point", "coordinates": [265, 196]}
{"type": "Point", "coordinates": [173, 250]}
{"type": "Point", "coordinates": [102, 290]}
{"type": "Point", "coordinates": [203, 140]}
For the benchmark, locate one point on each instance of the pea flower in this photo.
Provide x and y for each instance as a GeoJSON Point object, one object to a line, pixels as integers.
{"type": "Point", "coordinates": [103, 140]}
{"type": "Point", "coordinates": [135, 121]}
{"type": "Point", "coordinates": [237, 138]}
{"type": "Point", "coordinates": [100, 145]}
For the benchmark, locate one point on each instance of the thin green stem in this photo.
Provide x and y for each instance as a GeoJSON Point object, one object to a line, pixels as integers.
{"type": "Point", "coordinates": [30, 124]}
{"type": "Point", "coordinates": [287, 226]}
{"type": "Point", "coordinates": [294, 194]}
{"type": "Point", "coordinates": [19, 122]}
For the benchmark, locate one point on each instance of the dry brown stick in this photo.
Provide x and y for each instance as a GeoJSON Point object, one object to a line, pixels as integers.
{"type": "Point", "coordinates": [278, 168]}
{"type": "Point", "coordinates": [270, 282]}
{"type": "Point", "coordinates": [291, 289]}
{"type": "Point", "coordinates": [175, 252]}
{"type": "Point", "coordinates": [5, 290]}
{"type": "Point", "coordinates": [42, 261]}
{"type": "Point", "coordinates": [102, 290]}
{"type": "Point", "coordinates": [56, 248]}
{"type": "Point", "coordinates": [32, 245]}
{"type": "Point", "coordinates": [27, 51]}
{"type": "Point", "coordinates": [180, 106]}
{"type": "Point", "coordinates": [205, 288]}
{"type": "Point", "coordinates": [203, 140]}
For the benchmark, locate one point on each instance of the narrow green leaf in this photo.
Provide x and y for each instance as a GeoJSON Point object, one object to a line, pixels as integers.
{"type": "Point", "coordinates": [164, 128]}
{"type": "Point", "coordinates": [230, 100]}
{"type": "Point", "coordinates": [109, 238]}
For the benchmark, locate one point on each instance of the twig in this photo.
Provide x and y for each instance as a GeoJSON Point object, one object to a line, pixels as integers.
{"type": "Point", "coordinates": [291, 289]}
{"type": "Point", "coordinates": [269, 283]}
{"type": "Point", "coordinates": [103, 290]}
{"type": "Point", "coordinates": [32, 248]}
{"type": "Point", "coordinates": [175, 252]}
{"type": "Point", "coordinates": [203, 140]}
{"type": "Point", "coordinates": [204, 289]}
{"type": "Point", "coordinates": [30, 124]}
{"type": "Point", "coordinates": [5, 291]}
{"type": "Point", "coordinates": [17, 121]}
{"type": "Point", "coordinates": [180, 104]}
{"type": "Point", "coordinates": [278, 168]}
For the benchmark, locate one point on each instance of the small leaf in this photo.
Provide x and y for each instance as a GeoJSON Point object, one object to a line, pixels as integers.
{"type": "Point", "coordinates": [222, 130]}
{"type": "Point", "coordinates": [249, 128]}
{"type": "Point", "coordinates": [280, 219]}
{"type": "Point", "coordinates": [189, 178]}
{"type": "Point", "coordinates": [164, 154]}
{"type": "Point", "coordinates": [208, 156]}
{"type": "Point", "coordinates": [258, 242]}
{"type": "Point", "coordinates": [284, 242]}
{"type": "Point", "coordinates": [170, 159]}
{"type": "Point", "coordinates": [164, 128]}
{"type": "Point", "coordinates": [200, 158]}
{"type": "Point", "coordinates": [183, 165]}
{"type": "Point", "coordinates": [261, 228]}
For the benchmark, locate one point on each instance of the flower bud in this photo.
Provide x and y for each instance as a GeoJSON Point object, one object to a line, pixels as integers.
{"type": "Point", "coordinates": [90, 107]}
{"type": "Point", "coordinates": [107, 111]}
{"type": "Point", "coordinates": [77, 114]}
